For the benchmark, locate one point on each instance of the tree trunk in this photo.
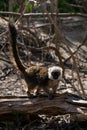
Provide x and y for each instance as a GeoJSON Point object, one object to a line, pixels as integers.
{"type": "Point", "coordinates": [10, 5]}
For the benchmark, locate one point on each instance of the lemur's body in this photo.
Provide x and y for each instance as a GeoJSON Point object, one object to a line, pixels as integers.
{"type": "Point", "coordinates": [36, 76]}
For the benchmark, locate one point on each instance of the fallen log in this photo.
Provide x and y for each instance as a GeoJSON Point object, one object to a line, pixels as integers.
{"type": "Point", "coordinates": [61, 104]}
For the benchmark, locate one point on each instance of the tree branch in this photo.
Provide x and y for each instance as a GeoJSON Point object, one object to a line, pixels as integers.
{"type": "Point", "coordinates": [61, 104]}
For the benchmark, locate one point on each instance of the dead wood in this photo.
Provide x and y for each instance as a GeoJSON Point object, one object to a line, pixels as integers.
{"type": "Point", "coordinates": [5, 13]}
{"type": "Point", "coordinates": [83, 43]}
{"type": "Point", "coordinates": [77, 71]}
{"type": "Point", "coordinates": [61, 104]}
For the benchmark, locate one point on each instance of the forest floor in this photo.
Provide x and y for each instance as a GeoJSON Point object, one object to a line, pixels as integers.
{"type": "Point", "coordinates": [10, 81]}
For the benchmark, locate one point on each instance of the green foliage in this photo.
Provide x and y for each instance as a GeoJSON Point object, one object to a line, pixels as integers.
{"type": "Point", "coordinates": [63, 8]}
{"type": "Point", "coordinates": [15, 8]}
{"type": "Point", "coordinates": [28, 8]}
{"type": "Point", "coordinates": [3, 5]}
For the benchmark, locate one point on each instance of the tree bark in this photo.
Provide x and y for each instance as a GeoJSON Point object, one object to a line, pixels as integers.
{"type": "Point", "coordinates": [60, 104]}
{"type": "Point", "coordinates": [10, 5]}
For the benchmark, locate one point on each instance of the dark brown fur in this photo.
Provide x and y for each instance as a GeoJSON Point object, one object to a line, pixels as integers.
{"type": "Point", "coordinates": [35, 76]}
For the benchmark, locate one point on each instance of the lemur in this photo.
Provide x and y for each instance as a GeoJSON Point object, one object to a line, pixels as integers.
{"type": "Point", "coordinates": [36, 77]}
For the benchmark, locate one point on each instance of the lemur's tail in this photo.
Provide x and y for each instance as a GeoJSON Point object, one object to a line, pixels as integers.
{"type": "Point", "coordinates": [13, 38]}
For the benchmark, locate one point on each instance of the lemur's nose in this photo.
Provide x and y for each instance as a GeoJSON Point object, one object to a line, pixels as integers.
{"type": "Point", "coordinates": [55, 74]}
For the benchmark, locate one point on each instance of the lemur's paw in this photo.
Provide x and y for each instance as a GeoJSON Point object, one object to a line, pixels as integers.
{"type": "Point", "coordinates": [50, 96]}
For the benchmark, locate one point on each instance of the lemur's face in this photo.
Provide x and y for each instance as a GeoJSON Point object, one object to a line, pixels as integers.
{"type": "Point", "coordinates": [55, 73]}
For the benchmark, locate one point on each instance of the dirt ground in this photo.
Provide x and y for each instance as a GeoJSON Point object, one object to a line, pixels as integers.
{"type": "Point", "coordinates": [11, 83]}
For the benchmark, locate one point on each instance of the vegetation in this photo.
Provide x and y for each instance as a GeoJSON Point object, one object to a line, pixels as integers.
{"type": "Point", "coordinates": [4, 5]}
{"type": "Point", "coordinates": [64, 5]}
{"type": "Point", "coordinates": [44, 39]}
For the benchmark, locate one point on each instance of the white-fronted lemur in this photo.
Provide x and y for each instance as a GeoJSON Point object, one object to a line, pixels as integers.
{"type": "Point", "coordinates": [37, 77]}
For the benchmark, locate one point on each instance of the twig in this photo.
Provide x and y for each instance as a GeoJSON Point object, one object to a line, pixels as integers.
{"type": "Point", "coordinates": [75, 89]}
{"type": "Point", "coordinates": [26, 15]}
{"type": "Point", "coordinates": [76, 6]}
{"type": "Point", "coordinates": [4, 33]}
{"type": "Point", "coordinates": [4, 18]}
{"type": "Point", "coordinates": [74, 61]}
{"type": "Point", "coordinates": [73, 5]}
{"type": "Point", "coordinates": [58, 38]}
{"type": "Point", "coordinates": [5, 60]}
{"type": "Point", "coordinates": [83, 43]}
{"type": "Point", "coordinates": [34, 34]}
{"type": "Point", "coordinates": [22, 10]}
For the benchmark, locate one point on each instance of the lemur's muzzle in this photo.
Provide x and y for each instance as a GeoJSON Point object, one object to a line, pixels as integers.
{"type": "Point", "coordinates": [55, 74]}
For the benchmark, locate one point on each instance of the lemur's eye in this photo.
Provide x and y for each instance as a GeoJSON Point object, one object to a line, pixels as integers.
{"type": "Point", "coordinates": [55, 74]}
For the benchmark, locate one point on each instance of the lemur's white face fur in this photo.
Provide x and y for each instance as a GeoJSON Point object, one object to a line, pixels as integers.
{"type": "Point", "coordinates": [55, 73]}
